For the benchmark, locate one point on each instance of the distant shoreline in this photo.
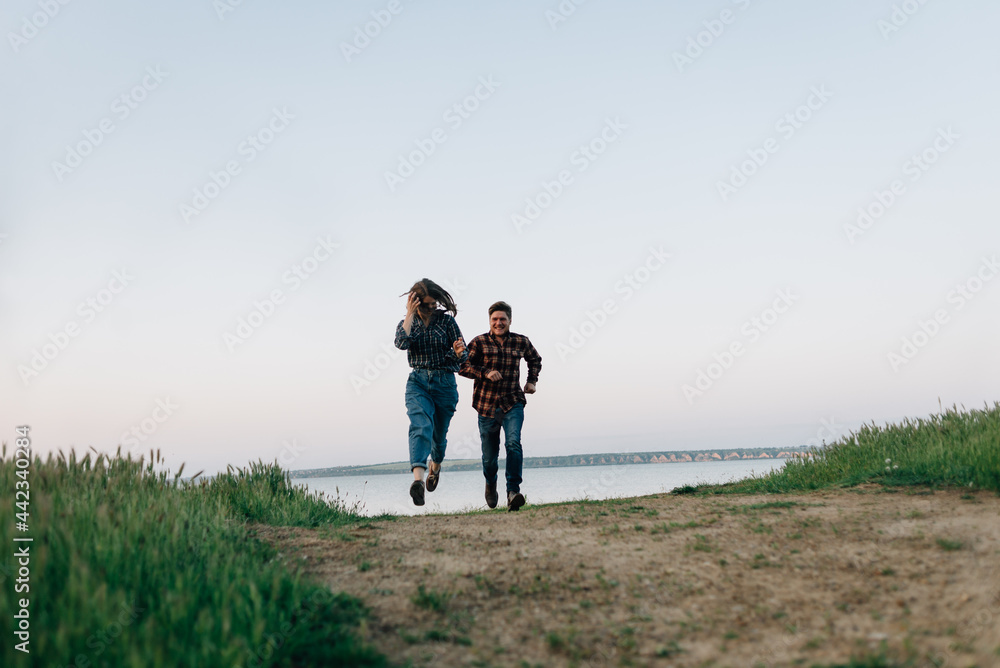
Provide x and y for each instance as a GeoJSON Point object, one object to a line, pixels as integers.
{"type": "Point", "coordinates": [600, 459]}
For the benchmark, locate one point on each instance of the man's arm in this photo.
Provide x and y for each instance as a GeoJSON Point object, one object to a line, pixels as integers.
{"type": "Point", "coordinates": [472, 367]}
{"type": "Point", "coordinates": [534, 361]}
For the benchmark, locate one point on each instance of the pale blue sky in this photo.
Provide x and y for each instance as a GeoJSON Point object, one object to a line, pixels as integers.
{"type": "Point", "coordinates": [680, 131]}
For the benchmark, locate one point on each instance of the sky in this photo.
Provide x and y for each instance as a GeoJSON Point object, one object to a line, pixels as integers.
{"type": "Point", "coordinates": [722, 224]}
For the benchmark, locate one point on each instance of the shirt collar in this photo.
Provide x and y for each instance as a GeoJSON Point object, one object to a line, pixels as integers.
{"type": "Point", "coordinates": [434, 318]}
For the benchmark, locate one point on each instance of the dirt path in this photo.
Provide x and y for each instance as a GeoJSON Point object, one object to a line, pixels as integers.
{"type": "Point", "coordinates": [678, 580]}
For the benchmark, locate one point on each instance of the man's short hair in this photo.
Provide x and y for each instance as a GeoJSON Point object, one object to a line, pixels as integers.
{"type": "Point", "coordinates": [501, 306]}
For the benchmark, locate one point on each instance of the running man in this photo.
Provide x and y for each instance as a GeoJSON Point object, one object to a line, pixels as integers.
{"type": "Point", "coordinates": [494, 363]}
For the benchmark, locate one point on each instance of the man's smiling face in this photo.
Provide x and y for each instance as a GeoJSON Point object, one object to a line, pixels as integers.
{"type": "Point", "coordinates": [499, 323]}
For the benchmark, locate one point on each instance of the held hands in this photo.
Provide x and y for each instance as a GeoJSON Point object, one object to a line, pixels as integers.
{"type": "Point", "coordinates": [459, 347]}
{"type": "Point", "coordinates": [529, 388]}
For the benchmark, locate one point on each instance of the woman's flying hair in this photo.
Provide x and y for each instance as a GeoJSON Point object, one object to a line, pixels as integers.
{"type": "Point", "coordinates": [425, 287]}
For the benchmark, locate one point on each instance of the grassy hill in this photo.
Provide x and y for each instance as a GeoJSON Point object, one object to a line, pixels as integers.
{"type": "Point", "coordinates": [954, 448]}
{"type": "Point", "coordinates": [130, 567]}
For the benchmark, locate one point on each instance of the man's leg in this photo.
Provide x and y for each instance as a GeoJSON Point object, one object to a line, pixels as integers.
{"type": "Point", "coordinates": [512, 421]}
{"type": "Point", "coordinates": [489, 436]}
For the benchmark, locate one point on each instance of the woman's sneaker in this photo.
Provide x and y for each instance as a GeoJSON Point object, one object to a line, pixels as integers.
{"type": "Point", "coordinates": [417, 492]}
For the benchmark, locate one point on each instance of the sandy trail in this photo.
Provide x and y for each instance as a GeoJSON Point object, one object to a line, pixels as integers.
{"type": "Point", "coordinates": [677, 580]}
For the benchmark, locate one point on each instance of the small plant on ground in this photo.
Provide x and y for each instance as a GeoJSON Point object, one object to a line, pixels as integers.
{"type": "Point", "coordinates": [431, 600]}
{"type": "Point", "coordinates": [949, 545]}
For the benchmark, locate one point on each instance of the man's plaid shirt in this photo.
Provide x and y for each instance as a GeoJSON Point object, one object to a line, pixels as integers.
{"type": "Point", "coordinates": [430, 346]}
{"type": "Point", "coordinates": [485, 355]}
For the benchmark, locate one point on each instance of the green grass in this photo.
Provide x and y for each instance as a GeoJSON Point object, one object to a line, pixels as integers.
{"type": "Point", "coordinates": [870, 661]}
{"type": "Point", "coordinates": [953, 448]}
{"type": "Point", "coordinates": [264, 493]}
{"type": "Point", "coordinates": [430, 599]}
{"type": "Point", "coordinates": [770, 505]}
{"type": "Point", "coordinates": [671, 649]}
{"type": "Point", "coordinates": [949, 545]}
{"type": "Point", "coordinates": [131, 566]}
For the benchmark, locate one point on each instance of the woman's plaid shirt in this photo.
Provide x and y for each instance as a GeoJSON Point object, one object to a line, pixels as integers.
{"type": "Point", "coordinates": [485, 355]}
{"type": "Point", "coordinates": [430, 346]}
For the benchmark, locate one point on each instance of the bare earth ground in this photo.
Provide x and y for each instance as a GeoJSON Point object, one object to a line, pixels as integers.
{"type": "Point", "coordinates": [677, 580]}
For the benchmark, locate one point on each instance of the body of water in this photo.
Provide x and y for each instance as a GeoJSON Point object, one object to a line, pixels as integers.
{"type": "Point", "coordinates": [463, 490]}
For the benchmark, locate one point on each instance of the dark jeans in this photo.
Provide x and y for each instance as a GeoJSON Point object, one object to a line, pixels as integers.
{"type": "Point", "coordinates": [431, 397]}
{"type": "Point", "coordinates": [489, 434]}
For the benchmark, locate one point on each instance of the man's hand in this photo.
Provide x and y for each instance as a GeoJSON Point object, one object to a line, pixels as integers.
{"type": "Point", "coordinates": [529, 388]}
{"type": "Point", "coordinates": [459, 347]}
{"type": "Point", "coordinates": [494, 376]}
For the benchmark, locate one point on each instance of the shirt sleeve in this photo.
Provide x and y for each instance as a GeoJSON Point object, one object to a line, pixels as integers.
{"type": "Point", "coordinates": [403, 340]}
{"type": "Point", "coordinates": [472, 367]}
{"type": "Point", "coordinates": [533, 359]}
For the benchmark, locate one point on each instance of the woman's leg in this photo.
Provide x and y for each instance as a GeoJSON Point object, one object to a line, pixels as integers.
{"type": "Point", "coordinates": [445, 395]}
{"type": "Point", "coordinates": [420, 409]}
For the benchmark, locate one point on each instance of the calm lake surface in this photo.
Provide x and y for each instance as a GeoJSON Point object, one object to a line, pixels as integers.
{"type": "Point", "coordinates": [463, 490]}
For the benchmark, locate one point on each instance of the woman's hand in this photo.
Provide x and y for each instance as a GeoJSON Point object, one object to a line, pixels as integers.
{"type": "Point", "coordinates": [459, 347]}
{"type": "Point", "coordinates": [411, 309]}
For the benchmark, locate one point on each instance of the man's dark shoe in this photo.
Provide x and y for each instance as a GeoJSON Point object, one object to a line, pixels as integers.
{"type": "Point", "coordinates": [417, 492]}
{"type": "Point", "coordinates": [432, 479]}
{"type": "Point", "coordinates": [491, 495]}
{"type": "Point", "coordinates": [514, 501]}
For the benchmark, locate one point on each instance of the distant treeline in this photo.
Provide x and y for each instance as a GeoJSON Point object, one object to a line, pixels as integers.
{"type": "Point", "coordinates": [602, 459]}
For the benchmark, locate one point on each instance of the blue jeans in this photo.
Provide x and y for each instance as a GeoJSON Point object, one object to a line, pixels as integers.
{"type": "Point", "coordinates": [489, 434]}
{"type": "Point", "coordinates": [431, 397]}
